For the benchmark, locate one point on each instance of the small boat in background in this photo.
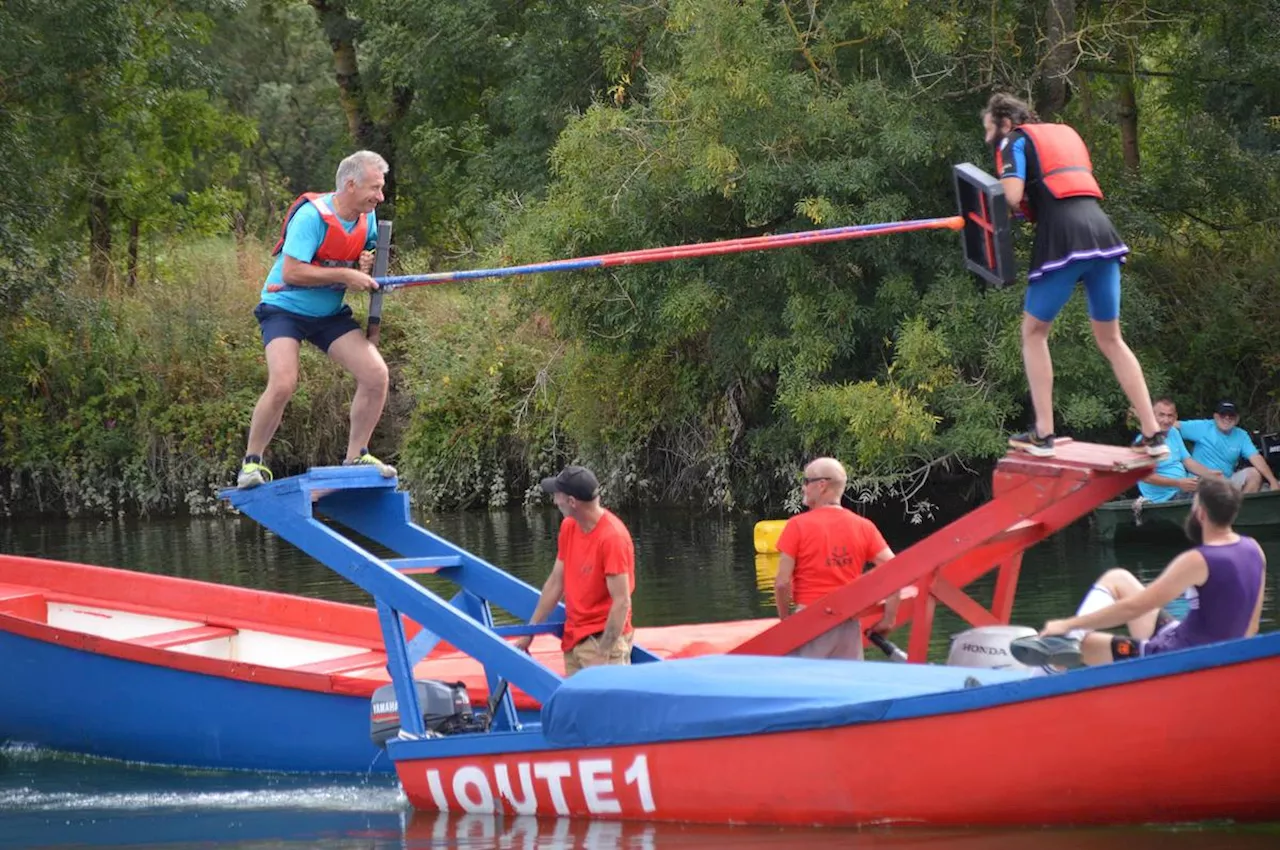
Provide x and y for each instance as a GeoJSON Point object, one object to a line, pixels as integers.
{"type": "Point", "coordinates": [163, 670]}
{"type": "Point", "coordinates": [1257, 511]}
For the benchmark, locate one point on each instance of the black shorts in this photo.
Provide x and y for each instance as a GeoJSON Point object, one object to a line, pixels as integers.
{"type": "Point", "coordinates": [320, 331]}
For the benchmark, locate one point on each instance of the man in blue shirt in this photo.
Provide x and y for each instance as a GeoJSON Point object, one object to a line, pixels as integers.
{"type": "Point", "coordinates": [1220, 444]}
{"type": "Point", "coordinates": [1177, 476]}
{"type": "Point", "coordinates": [324, 253]}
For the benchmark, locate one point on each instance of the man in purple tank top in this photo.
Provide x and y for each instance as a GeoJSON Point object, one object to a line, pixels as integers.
{"type": "Point", "coordinates": [1222, 578]}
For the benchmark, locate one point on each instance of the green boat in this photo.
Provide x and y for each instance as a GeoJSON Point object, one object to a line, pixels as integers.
{"type": "Point", "coordinates": [1138, 515]}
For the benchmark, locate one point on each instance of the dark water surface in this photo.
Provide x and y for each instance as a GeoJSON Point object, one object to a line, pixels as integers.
{"type": "Point", "coordinates": [691, 568]}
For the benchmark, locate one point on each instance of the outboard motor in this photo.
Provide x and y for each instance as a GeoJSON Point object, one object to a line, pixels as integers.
{"type": "Point", "coordinates": [1270, 448]}
{"type": "Point", "coordinates": [987, 646]}
{"type": "Point", "coordinates": [446, 710]}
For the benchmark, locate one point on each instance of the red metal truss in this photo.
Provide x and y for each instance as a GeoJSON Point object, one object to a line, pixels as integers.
{"type": "Point", "coordinates": [1031, 499]}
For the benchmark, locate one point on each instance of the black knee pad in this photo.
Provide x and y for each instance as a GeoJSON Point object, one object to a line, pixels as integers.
{"type": "Point", "coordinates": [1124, 648]}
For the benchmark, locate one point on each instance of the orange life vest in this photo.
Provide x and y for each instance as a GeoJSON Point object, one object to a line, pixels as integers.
{"type": "Point", "coordinates": [1065, 167]}
{"type": "Point", "coordinates": [338, 248]}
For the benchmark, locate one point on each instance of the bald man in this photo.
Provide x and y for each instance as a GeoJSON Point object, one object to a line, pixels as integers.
{"type": "Point", "coordinates": [821, 551]}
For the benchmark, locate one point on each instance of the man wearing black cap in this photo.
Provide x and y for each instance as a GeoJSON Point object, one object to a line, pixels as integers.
{"type": "Point", "coordinates": [594, 573]}
{"type": "Point", "coordinates": [1221, 444]}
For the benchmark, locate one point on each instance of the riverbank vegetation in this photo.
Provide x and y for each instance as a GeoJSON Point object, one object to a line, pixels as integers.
{"type": "Point", "coordinates": [149, 154]}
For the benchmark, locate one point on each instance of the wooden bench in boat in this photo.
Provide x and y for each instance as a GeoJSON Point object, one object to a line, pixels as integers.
{"type": "Point", "coordinates": [183, 637]}
{"type": "Point", "coordinates": [345, 664]}
{"type": "Point", "coordinates": [25, 602]}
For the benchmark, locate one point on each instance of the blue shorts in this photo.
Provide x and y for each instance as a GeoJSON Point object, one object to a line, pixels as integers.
{"type": "Point", "coordinates": [1047, 295]}
{"type": "Point", "coordinates": [320, 331]}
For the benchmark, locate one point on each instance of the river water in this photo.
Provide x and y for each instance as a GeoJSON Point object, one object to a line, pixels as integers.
{"type": "Point", "coordinates": [690, 568]}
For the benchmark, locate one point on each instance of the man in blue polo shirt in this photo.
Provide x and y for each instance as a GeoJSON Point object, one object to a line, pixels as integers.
{"type": "Point", "coordinates": [1177, 476]}
{"type": "Point", "coordinates": [323, 253]}
{"type": "Point", "coordinates": [1220, 444]}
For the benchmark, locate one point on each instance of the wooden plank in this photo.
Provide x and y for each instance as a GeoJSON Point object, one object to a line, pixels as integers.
{"type": "Point", "coordinates": [346, 664]}
{"type": "Point", "coordinates": [1094, 456]}
{"type": "Point", "coordinates": [180, 637]}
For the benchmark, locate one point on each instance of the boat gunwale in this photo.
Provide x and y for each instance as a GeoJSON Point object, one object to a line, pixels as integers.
{"type": "Point", "coordinates": [1259, 649]}
{"type": "Point", "coordinates": [1117, 505]}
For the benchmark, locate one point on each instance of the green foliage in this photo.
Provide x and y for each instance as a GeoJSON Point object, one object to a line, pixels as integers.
{"type": "Point", "coordinates": [542, 130]}
{"type": "Point", "coordinates": [478, 432]}
{"type": "Point", "coordinates": [141, 403]}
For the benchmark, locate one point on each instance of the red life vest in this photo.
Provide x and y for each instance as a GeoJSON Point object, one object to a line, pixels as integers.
{"type": "Point", "coordinates": [1065, 167]}
{"type": "Point", "coordinates": [338, 248]}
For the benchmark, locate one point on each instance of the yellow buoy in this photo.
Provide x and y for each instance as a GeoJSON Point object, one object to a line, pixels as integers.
{"type": "Point", "coordinates": [767, 532]}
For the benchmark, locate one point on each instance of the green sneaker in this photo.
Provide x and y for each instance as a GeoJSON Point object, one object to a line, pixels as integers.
{"type": "Point", "coordinates": [386, 470]}
{"type": "Point", "coordinates": [251, 475]}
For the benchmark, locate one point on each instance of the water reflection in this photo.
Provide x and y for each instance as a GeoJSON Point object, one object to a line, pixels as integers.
{"type": "Point", "coordinates": [691, 569]}
{"type": "Point", "coordinates": [529, 833]}
{"type": "Point", "coordinates": [766, 573]}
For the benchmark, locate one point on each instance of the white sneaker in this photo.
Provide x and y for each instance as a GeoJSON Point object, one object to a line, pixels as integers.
{"type": "Point", "coordinates": [252, 475]}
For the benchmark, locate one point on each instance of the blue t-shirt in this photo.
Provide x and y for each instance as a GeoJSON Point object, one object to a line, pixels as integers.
{"type": "Point", "coordinates": [1171, 467]}
{"type": "Point", "coordinates": [302, 239]}
{"type": "Point", "coordinates": [1215, 449]}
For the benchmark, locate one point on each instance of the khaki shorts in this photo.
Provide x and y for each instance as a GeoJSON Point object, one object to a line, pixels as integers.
{"type": "Point", "coordinates": [589, 653]}
{"type": "Point", "coordinates": [843, 641]}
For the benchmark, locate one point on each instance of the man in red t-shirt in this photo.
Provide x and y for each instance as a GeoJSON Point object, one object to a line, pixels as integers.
{"type": "Point", "coordinates": [594, 573]}
{"type": "Point", "coordinates": [821, 551]}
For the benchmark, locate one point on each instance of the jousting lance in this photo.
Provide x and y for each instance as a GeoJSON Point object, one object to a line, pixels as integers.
{"type": "Point", "coordinates": [678, 252]}
{"type": "Point", "coordinates": [983, 223]}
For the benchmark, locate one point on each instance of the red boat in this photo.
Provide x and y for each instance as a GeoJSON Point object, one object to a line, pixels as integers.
{"type": "Point", "coordinates": [750, 740]}
{"type": "Point", "coordinates": [753, 737]}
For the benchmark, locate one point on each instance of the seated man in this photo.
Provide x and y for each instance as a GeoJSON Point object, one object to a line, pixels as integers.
{"type": "Point", "coordinates": [1178, 475]}
{"type": "Point", "coordinates": [1220, 445]}
{"type": "Point", "coordinates": [1222, 578]}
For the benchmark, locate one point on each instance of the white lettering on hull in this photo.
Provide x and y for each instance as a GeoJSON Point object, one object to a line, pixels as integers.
{"type": "Point", "coordinates": [543, 787]}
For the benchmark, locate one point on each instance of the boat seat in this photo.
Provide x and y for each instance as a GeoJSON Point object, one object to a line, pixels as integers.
{"type": "Point", "coordinates": [345, 664]}
{"type": "Point", "coordinates": [25, 602]}
{"type": "Point", "coordinates": [182, 637]}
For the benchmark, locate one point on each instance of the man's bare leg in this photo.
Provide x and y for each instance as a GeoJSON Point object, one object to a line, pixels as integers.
{"type": "Point", "coordinates": [361, 358]}
{"type": "Point", "coordinates": [1252, 482]}
{"type": "Point", "coordinates": [282, 380]}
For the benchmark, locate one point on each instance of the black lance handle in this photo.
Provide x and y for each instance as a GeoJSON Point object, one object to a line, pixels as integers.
{"type": "Point", "coordinates": [888, 647]}
{"type": "Point", "coordinates": [373, 330]}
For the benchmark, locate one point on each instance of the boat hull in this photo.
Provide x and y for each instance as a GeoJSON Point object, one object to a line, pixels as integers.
{"type": "Point", "coordinates": [113, 695]}
{"type": "Point", "coordinates": [1257, 511]}
{"type": "Point", "coordinates": [1177, 747]}
{"type": "Point", "coordinates": [74, 700]}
